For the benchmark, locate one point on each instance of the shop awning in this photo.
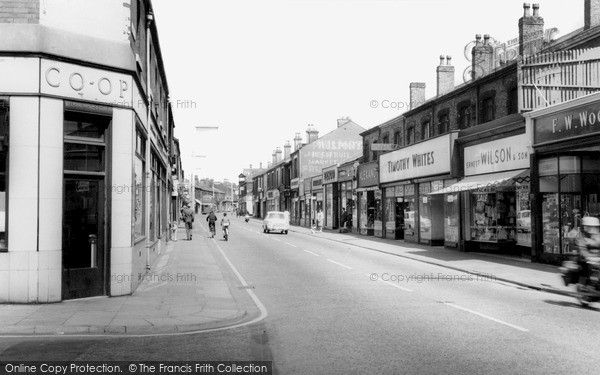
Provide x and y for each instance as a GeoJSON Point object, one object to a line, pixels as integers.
{"type": "Point", "coordinates": [484, 181]}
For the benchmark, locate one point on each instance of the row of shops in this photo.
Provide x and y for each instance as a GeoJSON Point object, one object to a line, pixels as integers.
{"type": "Point", "coordinates": [517, 185]}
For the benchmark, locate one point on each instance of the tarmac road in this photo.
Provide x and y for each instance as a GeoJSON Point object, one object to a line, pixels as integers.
{"type": "Point", "coordinates": [333, 308]}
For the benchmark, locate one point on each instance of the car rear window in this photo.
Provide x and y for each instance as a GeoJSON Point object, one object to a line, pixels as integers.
{"type": "Point", "coordinates": [276, 216]}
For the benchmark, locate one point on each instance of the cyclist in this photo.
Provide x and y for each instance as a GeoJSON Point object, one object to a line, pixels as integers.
{"type": "Point", "coordinates": [225, 225]}
{"type": "Point", "coordinates": [212, 219]}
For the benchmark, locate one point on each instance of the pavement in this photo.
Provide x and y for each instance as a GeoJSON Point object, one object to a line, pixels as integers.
{"type": "Point", "coordinates": [503, 268]}
{"type": "Point", "coordinates": [191, 288]}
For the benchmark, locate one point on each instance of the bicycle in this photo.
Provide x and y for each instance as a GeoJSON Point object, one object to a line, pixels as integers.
{"type": "Point", "coordinates": [226, 232]}
{"type": "Point", "coordinates": [213, 231]}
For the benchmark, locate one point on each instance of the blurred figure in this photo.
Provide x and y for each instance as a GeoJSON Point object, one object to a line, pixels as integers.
{"type": "Point", "coordinates": [188, 218]}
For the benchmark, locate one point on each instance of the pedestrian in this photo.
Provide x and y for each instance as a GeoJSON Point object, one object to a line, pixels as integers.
{"type": "Point", "coordinates": [320, 221]}
{"type": "Point", "coordinates": [188, 218]}
{"type": "Point", "coordinates": [343, 219]}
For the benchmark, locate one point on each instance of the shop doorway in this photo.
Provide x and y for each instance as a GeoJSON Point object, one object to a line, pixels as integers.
{"type": "Point", "coordinates": [85, 201]}
{"type": "Point", "coordinates": [400, 206]}
{"type": "Point", "coordinates": [83, 245]}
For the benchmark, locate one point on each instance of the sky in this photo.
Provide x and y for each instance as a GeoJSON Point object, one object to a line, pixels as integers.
{"type": "Point", "coordinates": [263, 70]}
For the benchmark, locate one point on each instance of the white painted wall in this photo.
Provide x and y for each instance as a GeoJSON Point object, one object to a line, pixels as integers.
{"type": "Point", "coordinates": [105, 19]}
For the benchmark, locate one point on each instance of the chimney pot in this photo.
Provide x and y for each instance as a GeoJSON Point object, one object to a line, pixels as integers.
{"type": "Point", "coordinates": [448, 60]}
{"type": "Point", "coordinates": [486, 39]}
{"type": "Point", "coordinates": [536, 10]}
{"type": "Point", "coordinates": [441, 59]}
{"type": "Point", "coordinates": [526, 10]}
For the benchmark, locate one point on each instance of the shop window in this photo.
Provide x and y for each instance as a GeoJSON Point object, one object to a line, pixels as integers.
{"type": "Point", "coordinates": [493, 216]}
{"type": "Point", "coordinates": [4, 126]}
{"type": "Point", "coordinates": [560, 190]}
{"type": "Point", "coordinates": [425, 129]}
{"type": "Point", "coordinates": [139, 229]}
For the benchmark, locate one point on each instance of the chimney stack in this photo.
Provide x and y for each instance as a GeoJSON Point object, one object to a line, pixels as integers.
{"type": "Point", "coordinates": [445, 76]}
{"type": "Point", "coordinates": [311, 134]}
{"type": "Point", "coordinates": [417, 94]}
{"type": "Point", "coordinates": [278, 156]}
{"type": "Point", "coordinates": [297, 142]}
{"type": "Point", "coordinates": [342, 121]}
{"type": "Point", "coordinates": [591, 13]}
{"type": "Point", "coordinates": [260, 165]}
{"type": "Point", "coordinates": [531, 31]}
{"type": "Point", "coordinates": [287, 150]}
{"type": "Point", "coordinates": [273, 158]}
{"type": "Point", "coordinates": [482, 61]}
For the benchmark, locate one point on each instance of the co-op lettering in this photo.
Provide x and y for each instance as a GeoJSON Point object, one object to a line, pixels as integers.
{"type": "Point", "coordinates": [76, 81]}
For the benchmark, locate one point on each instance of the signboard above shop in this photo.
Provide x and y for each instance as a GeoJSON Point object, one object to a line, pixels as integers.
{"type": "Point", "coordinates": [330, 175]}
{"type": "Point", "coordinates": [426, 158]}
{"type": "Point", "coordinates": [368, 175]}
{"type": "Point", "coordinates": [576, 122]}
{"type": "Point", "coordinates": [496, 156]}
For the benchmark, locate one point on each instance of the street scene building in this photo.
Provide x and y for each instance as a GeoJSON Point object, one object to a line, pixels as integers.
{"type": "Point", "coordinates": [73, 114]}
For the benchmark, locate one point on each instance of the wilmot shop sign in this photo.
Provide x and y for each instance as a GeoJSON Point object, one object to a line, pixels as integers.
{"type": "Point", "coordinates": [423, 159]}
{"type": "Point", "coordinates": [576, 122]}
{"type": "Point", "coordinates": [496, 156]}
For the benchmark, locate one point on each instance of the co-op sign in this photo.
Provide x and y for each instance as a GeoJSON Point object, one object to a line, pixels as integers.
{"type": "Point", "coordinates": [427, 158]}
{"type": "Point", "coordinates": [79, 82]}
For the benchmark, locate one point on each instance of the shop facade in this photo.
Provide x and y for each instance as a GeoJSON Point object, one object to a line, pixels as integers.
{"type": "Point", "coordinates": [409, 177]}
{"type": "Point", "coordinates": [565, 178]}
{"type": "Point", "coordinates": [369, 200]}
{"type": "Point", "coordinates": [331, 212]}
{"type": "Point", "coordinates": [317, 197]}
{"type": "Point", "coordinates": [308, 203]}
{"type": "Point", "coordinates": [492, 200]}
{"type": "Point", "coordinates": [347, 184]}
{"type": "Point", "coordinates": [94, 225]}
{"type": "Point", "coordinates": [295, 208]}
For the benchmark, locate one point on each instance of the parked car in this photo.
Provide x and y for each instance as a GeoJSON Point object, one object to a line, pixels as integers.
{"type": "Point", "coordinates": [524, 221]}
{"type": "Point", "coordinates": [276, 221]}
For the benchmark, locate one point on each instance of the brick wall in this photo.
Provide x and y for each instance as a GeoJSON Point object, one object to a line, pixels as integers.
{"type": "Point", "coordinates": [19, 11]}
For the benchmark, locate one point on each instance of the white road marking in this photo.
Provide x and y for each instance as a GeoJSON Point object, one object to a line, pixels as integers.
{"type": "Point", "coordinates": [275, 239]}
{"type": "Point", "coordinates": [339, 264]}
{"type": "Point", "coordinates": [395, 285]}
{"type": "Point", "coordinates": [310, 252]}
{"type": "Point", "coordinates": [291, 244]}
{"type": "Point", "coordinates": [486, 317]}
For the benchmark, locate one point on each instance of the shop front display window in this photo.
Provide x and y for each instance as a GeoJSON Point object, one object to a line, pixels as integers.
{"type": "Point", "coordinates": [363, 211]}
{"type": "Point", "coordinates": [425, 217]}
{"type": "Point", "coordinates": [494, 216]}
{"type": "Point", "coordinates": [523, 215]}
{"type": "Point", "coordinates": [561, 191]}
{"type": "Point", "coordinates": [451, 218]}
{"type": "Point", "coordinates": [410, 211]}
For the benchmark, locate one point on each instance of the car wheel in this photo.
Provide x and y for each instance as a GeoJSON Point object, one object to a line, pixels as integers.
{"type": "Point", "coordinates": [264, 230]}
{"type": "Point", "coordinates": [286, 232]}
